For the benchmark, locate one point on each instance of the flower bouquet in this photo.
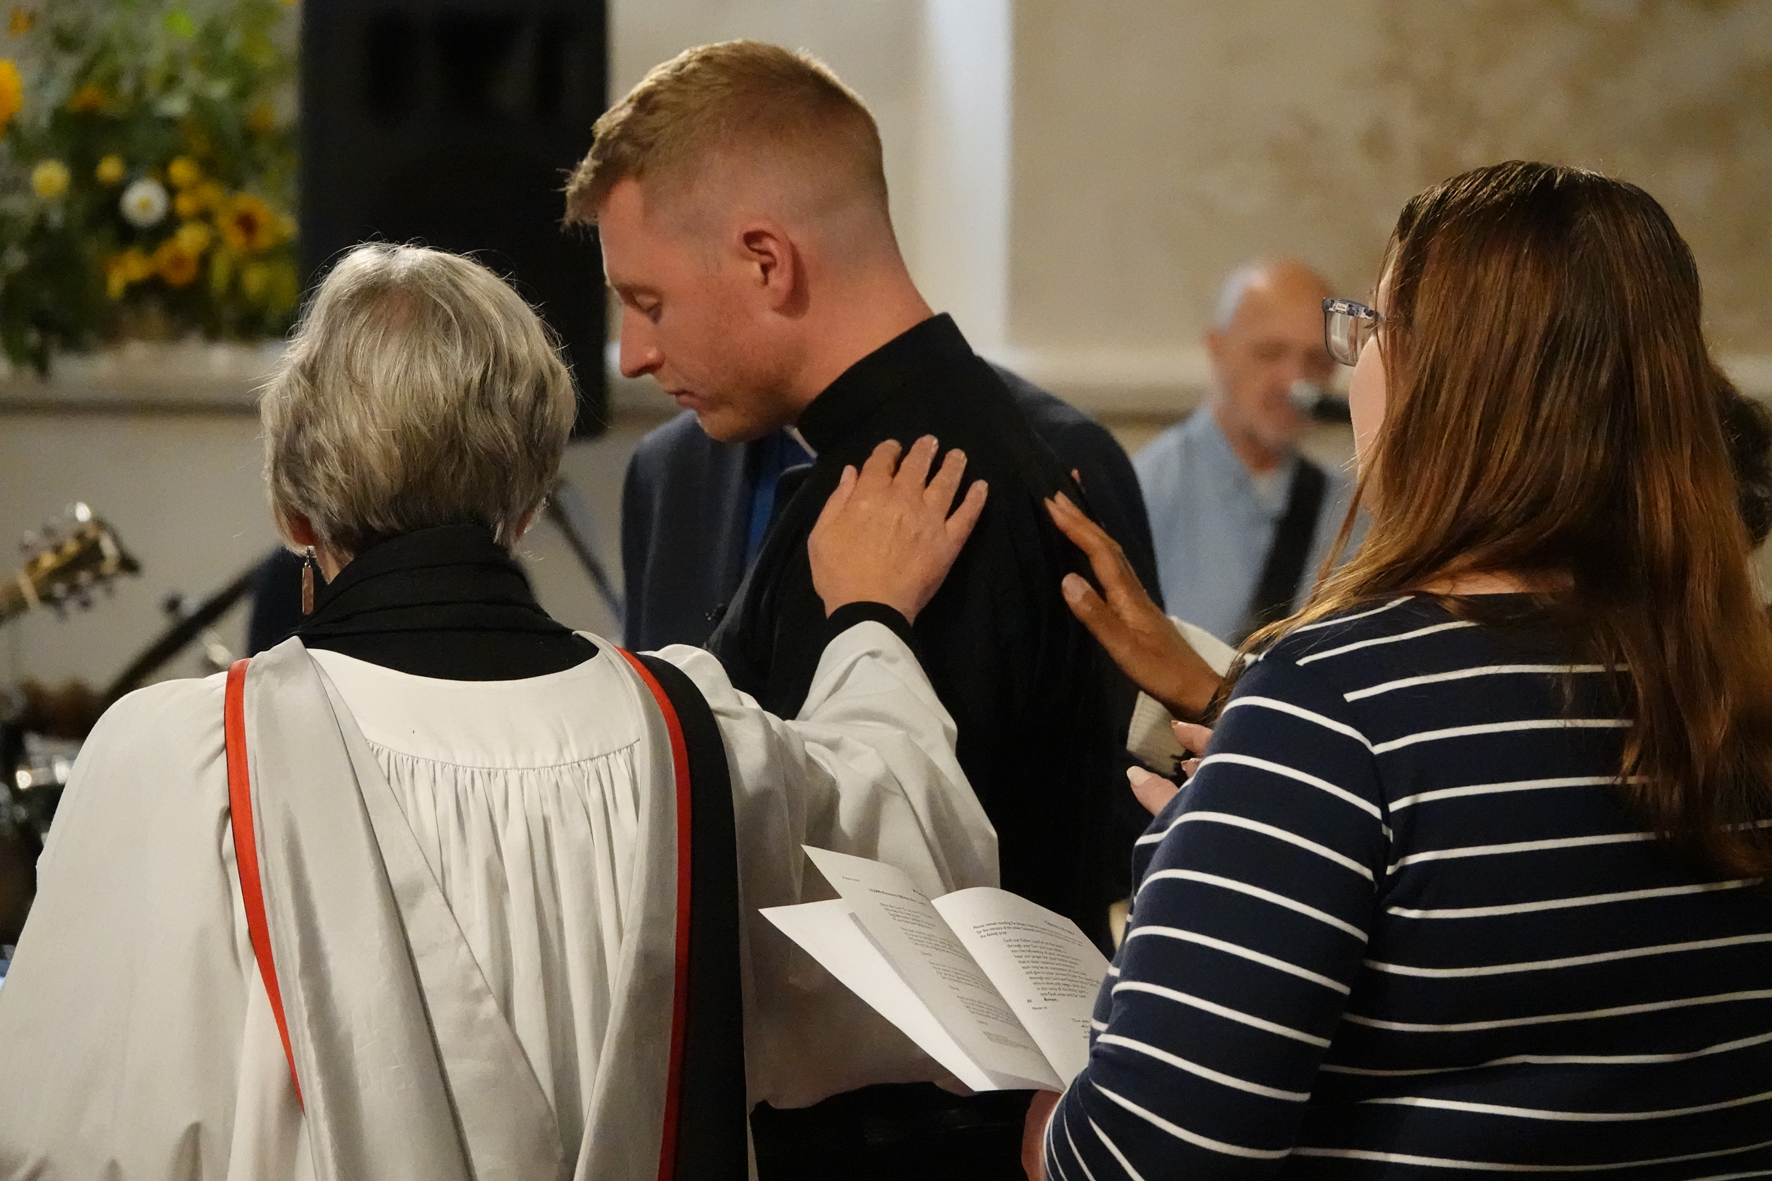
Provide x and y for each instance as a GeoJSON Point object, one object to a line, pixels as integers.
{"type": "Point", "coordinates": [147, 174]}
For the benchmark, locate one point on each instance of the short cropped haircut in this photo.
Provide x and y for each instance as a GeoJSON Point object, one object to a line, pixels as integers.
{"type": "Point", "coordinates": [745, 97]}
{"type": "Point", "coordinates": [419, 390]}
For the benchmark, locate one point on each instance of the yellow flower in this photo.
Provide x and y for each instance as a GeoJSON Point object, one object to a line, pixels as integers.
{"type": "Point", "coordinates": [183, 172]}
{"type": "Point", "coordinates": [247, 224]}
{"type": "Point", "coordinates": [12, 92]}
{"type": "Point", "coordinates": [254, 278]}
{"type": "Point", "coordinates": [199, 199]}
{"type": "Point", "coordinates": [261, 119]}
{"type": "Point", "coordinates": [194, 236]}
{"type": "Point", "coordinates": [131, 266]}
{"type": "Point", "coordinates": [90, 97]}
{"type": "Point", "coordinates": [175, 264]}
{"type": "Point", "coordinates": [111, 170]}
{"type": "Point", "coordinates": [21, 20]}
{"type": "Point", "coordinates": [49, 180]}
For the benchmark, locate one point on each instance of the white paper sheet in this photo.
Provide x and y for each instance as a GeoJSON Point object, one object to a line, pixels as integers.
{"type": "Point", "coordinates": [1047, 971]}
{"type": "Point", "coordinates": [832, 934]}
{"type": "Point", "coordinates": [934, 964]}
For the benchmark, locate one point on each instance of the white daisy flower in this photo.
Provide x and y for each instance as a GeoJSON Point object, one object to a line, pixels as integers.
{"type": "Point", "coordinates": [144, 203]}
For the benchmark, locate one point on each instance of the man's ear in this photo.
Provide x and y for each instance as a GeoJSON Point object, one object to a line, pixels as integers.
{"type": "Point", "coordinates": [774, 265]}
{"type": "Point", "coordinates": [1215, 345]}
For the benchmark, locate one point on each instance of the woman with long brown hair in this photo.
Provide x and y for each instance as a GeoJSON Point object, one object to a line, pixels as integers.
{"type": "Point", "coordinates": [1470, 874]}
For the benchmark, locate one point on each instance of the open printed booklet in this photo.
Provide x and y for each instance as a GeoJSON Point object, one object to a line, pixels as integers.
{"type": "Point", "coordinates": [996, 988]}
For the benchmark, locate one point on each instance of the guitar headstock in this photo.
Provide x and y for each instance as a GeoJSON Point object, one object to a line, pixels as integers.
{"type": "Point", "coordinates": [65, 562]}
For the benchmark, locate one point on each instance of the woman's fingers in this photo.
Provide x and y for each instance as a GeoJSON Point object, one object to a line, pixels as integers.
{"type": "Point", "coordinates": [1153, 791]}
{"type": "Point", "coordinates": [881, 464]}
{"type": "Point", "coordinates": [1102, 551]}
{"type": "Point", "coordinates": [913, 473]}
{"type": "Point", "coordinates": [959, 525]}
{"type": "Point", "coordinates": [886, 534]}
{"type": "Point", "coordinates": [1192, 735]}
{"type": "Point", "coordinates": [947, 479]}
{"type": "Point", "coordinates": [1106, 558]}
{"type": "Point", "coordinates": [1097, 616]}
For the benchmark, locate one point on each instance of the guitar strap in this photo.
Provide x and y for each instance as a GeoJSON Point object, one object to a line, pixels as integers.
{"type": "Point", "coordinates": [1282, 571]}
{"type": "Point", "coordinates": [704, 1136]}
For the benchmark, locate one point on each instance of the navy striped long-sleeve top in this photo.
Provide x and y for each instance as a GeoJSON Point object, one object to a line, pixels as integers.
{"type": "Point", "coordinates": [1398, 924]}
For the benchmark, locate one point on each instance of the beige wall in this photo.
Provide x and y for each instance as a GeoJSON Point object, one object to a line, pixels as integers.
{"type": "Point", "coordinates": [1158, 144]}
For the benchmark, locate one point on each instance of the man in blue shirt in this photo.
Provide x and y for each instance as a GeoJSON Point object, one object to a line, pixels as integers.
{"type": "Point", "coordinates": [1240, 520]}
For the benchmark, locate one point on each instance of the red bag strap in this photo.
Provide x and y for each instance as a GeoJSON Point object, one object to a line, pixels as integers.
{"type": "Point", "coordinates": [667, 1157]}
{"type": "Point", "coordinates": [246, 852]}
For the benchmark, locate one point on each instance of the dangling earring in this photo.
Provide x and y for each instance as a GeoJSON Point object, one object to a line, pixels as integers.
{"type": "Point", "coordinates": [307, 581]}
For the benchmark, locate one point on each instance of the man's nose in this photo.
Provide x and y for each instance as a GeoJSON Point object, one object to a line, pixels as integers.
{"type": "Point", "coordinates": [640, 353]}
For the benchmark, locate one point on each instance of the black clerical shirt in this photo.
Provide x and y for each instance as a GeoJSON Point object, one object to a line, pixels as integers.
{"type": "Point", "coordinates": [448, 602]}
{"type": "Point", "coordinates": [1040, 717]}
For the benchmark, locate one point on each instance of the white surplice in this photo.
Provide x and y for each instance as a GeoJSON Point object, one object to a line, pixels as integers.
{"type": "Point", "coordinates": [520, 830]}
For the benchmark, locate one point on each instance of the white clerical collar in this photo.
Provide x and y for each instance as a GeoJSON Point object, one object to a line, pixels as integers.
{"type": "Point", "coordinates": [796, 436]}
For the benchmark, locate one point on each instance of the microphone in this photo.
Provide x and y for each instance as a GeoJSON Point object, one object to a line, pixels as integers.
{"type": "Point", "coordinates": [1309, 398]}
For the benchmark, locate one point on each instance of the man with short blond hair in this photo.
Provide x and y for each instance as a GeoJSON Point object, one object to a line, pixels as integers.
{"type": "Point", "coordinates": [741, 201]}
{"type": "Point", "coordinates": [716, 104]}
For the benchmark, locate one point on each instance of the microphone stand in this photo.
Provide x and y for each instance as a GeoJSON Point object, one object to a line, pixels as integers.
{"type": "Point", "coordinates": [180, 634]}
{"type": "Point", "coordinates": [566, 508]}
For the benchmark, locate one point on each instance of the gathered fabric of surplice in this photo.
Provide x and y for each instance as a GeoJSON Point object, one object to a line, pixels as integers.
{"type": "Point", "coordinates": [471, 893]}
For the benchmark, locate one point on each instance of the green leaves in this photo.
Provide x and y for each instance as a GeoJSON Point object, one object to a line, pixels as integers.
{"type": "Point", "coordinates": [179, 24]}
{"type": "Point", "coordinates": [144, 83]}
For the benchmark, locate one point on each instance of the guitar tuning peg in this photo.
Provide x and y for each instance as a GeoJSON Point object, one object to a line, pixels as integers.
{"type": "Point", "coordinates": [80, 511]}
{"type": "Point", "coordinates": [28, 541]}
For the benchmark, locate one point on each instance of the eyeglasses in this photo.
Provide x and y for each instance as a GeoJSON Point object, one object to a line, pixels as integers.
{"type": "Point", "coordinates": [1347, 326]}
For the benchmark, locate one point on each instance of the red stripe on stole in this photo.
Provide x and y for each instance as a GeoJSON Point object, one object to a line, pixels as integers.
{"type": "Point", "coordinates": [246, 852]}
{"type": "Point", "coordinates": [667, 1154]}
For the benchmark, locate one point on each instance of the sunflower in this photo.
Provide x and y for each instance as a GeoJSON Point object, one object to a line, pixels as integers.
{"type": "Point", "coordinates": [12, 92]}
{"type": "Point", "coordinates": [174, 263]}
{"type": "Point", "coordinates": [131, 266]}
{"type": "Point", "coordinates": [247, 224]}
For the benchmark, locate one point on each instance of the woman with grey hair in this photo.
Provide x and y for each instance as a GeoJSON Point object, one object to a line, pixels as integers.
{"type": "Point", "coordinates": [424, 891]}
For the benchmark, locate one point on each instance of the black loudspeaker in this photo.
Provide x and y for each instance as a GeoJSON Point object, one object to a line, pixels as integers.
{"type": "Point", "coordinates": [455, 123]}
